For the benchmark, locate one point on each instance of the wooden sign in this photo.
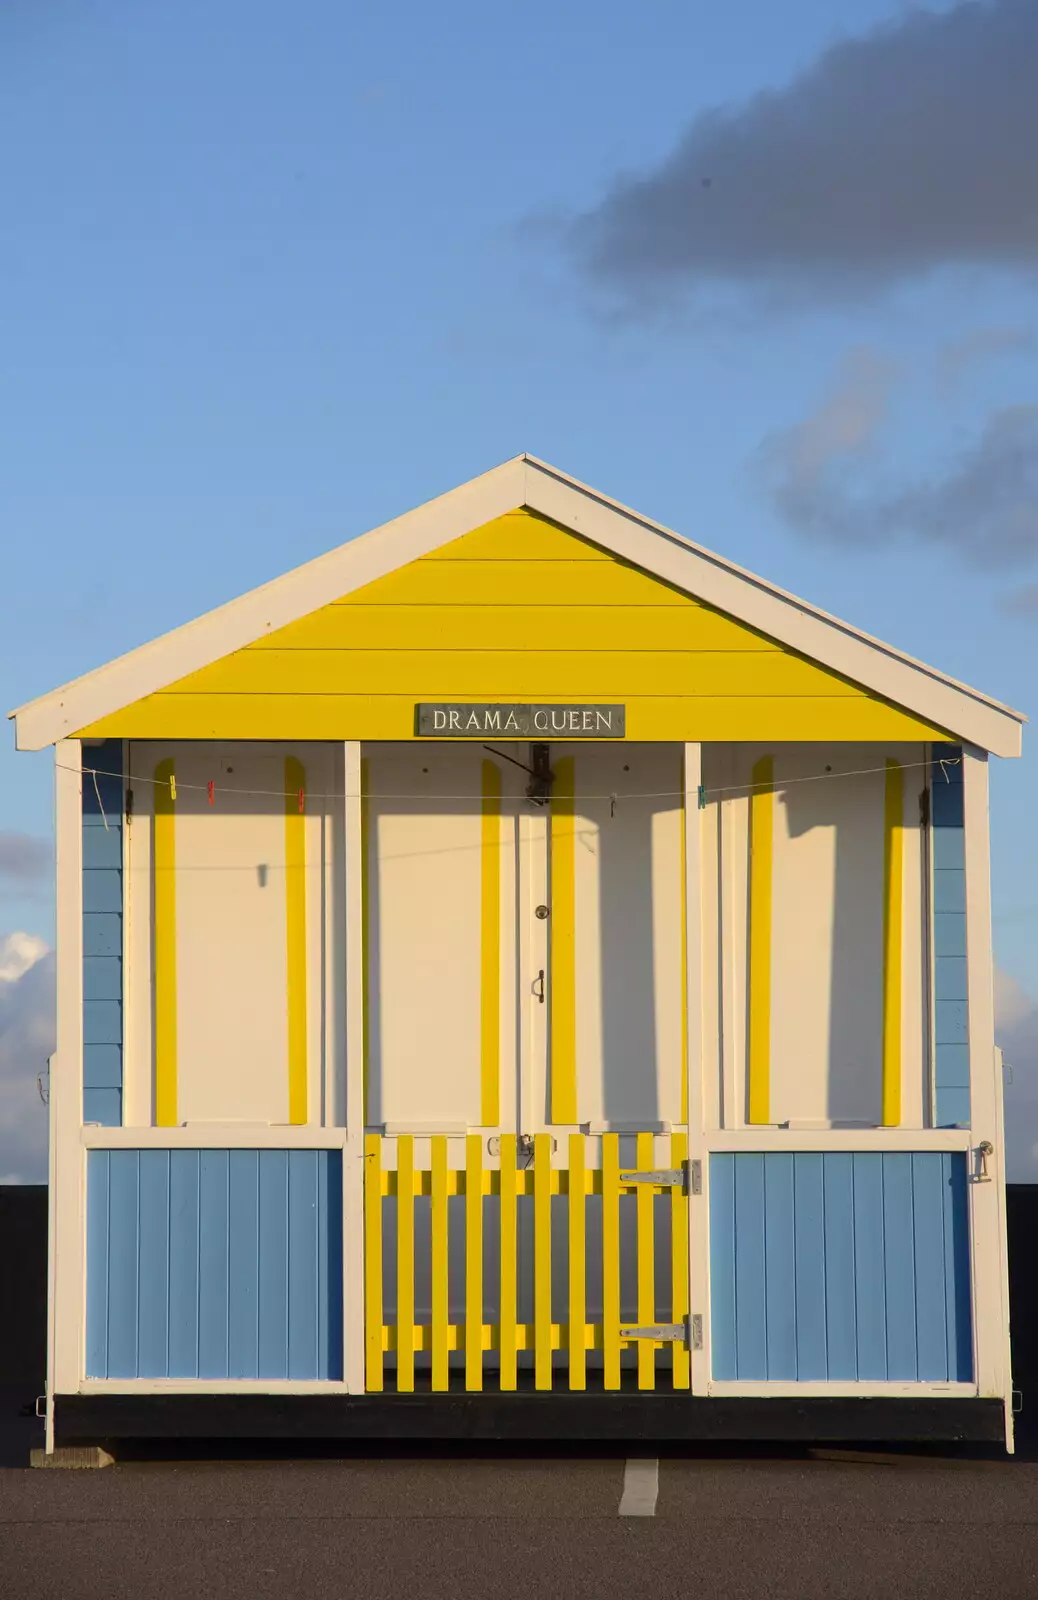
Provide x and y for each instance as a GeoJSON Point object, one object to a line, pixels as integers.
{"type": "Point", "coordinates": [455, 721]}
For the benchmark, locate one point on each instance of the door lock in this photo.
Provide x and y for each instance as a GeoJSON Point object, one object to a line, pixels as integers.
{"type": "Point", "coordinates": [541, 912]}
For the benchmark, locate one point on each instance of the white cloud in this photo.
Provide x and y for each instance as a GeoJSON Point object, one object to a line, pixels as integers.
{"type": "Point", "coordinates": [26, 1040]}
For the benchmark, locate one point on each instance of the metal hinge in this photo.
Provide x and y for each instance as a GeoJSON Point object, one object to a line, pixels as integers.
{"type": "Point", "coordinates": [662, 1178]}
{"type": "Point", "coordinates": [690, 1173]}
{"type": "Point", "coordinates": [696, 1321]}
{"type": "Point", "coordinates": [665, 1331]}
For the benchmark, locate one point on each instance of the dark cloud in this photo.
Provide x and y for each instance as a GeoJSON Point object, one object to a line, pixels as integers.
{"type": "Point", "coordinates": [26, 1040]}
{"type": "Point", "coordinates": [910, 148]}
{"type": "Point", "coordinates": [1023, 602]}
{"type": "Point", "coordinates": [983, 344]}
{"type": "Point", "coordinates": [25, 859]}
{"type": "Point", "coordinates": [983, 505]}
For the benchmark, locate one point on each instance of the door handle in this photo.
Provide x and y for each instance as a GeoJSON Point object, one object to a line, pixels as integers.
{"type": "Point", "coordinates": [538, 986]}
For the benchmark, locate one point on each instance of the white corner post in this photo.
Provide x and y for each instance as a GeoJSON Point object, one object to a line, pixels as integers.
{"type": "Point", "coordinates": [353, 1154]}
{"type": "Point", "coordinates": [987, 1199]}
{"type": "Point", "coordinates": [66, 1285]}
{"type": "Point", "coordinates": [698, 1220]}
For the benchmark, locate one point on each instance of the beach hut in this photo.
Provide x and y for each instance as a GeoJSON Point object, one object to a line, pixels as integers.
{"type": "Point", "coordinates": [522, 975]}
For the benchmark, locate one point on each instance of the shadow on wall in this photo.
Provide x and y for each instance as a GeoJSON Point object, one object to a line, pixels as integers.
{"type": "Point", "coordinates": [828, 955]}
{"type": "Point", "coordinates": [630, 1065]}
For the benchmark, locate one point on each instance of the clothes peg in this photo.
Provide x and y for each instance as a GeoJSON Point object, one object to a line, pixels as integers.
{"type": "Point", "coordinates": [702, 797]}
{"type": "Point", "coordinates": [212, 790]}
{"type": "Point", "coordinates": [172, 787]}
{"type": "Point", "coordinates": [302, 801]}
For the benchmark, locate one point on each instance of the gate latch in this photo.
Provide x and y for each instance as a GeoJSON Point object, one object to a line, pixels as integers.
{"type": "Point", "coordinates": [672, 1332]}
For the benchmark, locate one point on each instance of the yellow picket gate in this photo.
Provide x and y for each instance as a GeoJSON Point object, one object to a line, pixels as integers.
{"type": "Point", "coordinates": [507, 1337]}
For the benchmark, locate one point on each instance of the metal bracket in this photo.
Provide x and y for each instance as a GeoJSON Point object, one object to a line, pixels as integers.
{"type": "Point", "coordinates": [669, 1178]}
{"type": "Point", "coordinates": [672, 1332]}
{"type": "Point", "coordinates": [696, 1340]}
{"type": "Point", "coordinates": [695, 1177]}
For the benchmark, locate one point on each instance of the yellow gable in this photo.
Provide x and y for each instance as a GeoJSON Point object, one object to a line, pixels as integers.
{"type": "Point", "coordinates": [517, 610]}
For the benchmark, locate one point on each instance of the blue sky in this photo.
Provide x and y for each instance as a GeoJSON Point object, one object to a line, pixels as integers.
{"type": "Point", "coordinates": [272, 274]}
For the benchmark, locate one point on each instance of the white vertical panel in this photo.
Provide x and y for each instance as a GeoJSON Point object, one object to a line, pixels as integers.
{"type": "Point", "coordinates": [424, 820]}
{"type": "Point", "coordinates": [826, 1039]}
{"type": "Point", "coordinates": [990, 1284]}
{"type": "Point", "coordinates": [703, 1082]}
{"type": "Point", "coordinates": [67, 1166]}
{"type": "Point", "coordinates": [629, 982]}
{"type": "Point", "coordinates": [353, 1152]}
{"type": "Point", "coordinates": [232, 1033]}
{"type": "Point", "coordinates": [232, 1015]}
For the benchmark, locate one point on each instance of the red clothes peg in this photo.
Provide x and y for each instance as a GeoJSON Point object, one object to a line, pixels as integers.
{"type": "Point", "coordinates": [212, 790]}
{"type": "Point", "coordinates": [302, 801]}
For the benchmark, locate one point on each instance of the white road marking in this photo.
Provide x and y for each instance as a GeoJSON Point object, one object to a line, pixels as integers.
{"type": "Point", "coordinates": [641, 1488]}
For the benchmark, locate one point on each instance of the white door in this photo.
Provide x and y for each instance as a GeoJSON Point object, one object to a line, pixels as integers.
{"type": "Point", "coordinates": [524, 955]}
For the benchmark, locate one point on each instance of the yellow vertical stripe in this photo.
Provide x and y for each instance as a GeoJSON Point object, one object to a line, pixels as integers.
{"type": "Point", "coordinates": [440, 1356]}
{"type": "Point", "coordinates": [509, 1219]}
{"type": "Point", "coordinates": [611, 1261]}
{"type": "Point", "coordinates": [474, 1261]}
{"type": "Point", "coordinates": [646, 1264]}
{"type": "Point", "coordinates": [683, 822]}
{"type": "Point", "coordinates": [490, 948]}
{"type": "Point", "coordinates": [542, 1260]}
{"type": "Point", "coordinates": [365, 913]}
{"type": "Point", "coordinates": [373, 1259]}
{"type": "Point", "coordinates": [577, 1275]}
{"type": "Point", "coordinates": [893, 869]}
{"type": "Point", "coordinates": [563, 944]}
{"type": "Point", "coordinates": [295, 938]}
{"type": "Point", "coordinates": [679, 1291]}
{"type": "Point", "coordinates": [762, 812]}
{"type": "Point", "coordinates": [164, 865]}
{"type": "Point", "coordinates": [405, 1335]}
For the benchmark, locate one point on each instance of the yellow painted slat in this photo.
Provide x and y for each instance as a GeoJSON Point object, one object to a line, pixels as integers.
{"type": "Point", "coordinates": [754, 719]}
{"type": "Point", "coordinates": [646, 1263]}
{"type": "Point", "coordinates": [611, 1260]}
{"type": "Point", "coordinates": [520, 535]}
{"type": "Point", "coordinates": [505, 626]}
{"type": "Point", "coordinates": [893, 935]}
{"type": "Point", "coordinates": [542, 1259]}
{"type": "Point", "coordinates": [295, 938]}
{"type": "Point", "coordinates": [527, 583]}
{"type": "Point", "coordinates": [563, 937]}
{"type": "Point", "coordinates": [499, 674]}
{"type": "Point", "coordinates": [474, 1261]}
{"type": "Point", "coordinates": [366, 845]}
{"type": "Point", "coordinates": [164, 860]}
{"type": "Point", "coordinates": [373, 1261]}
{"type": "Point", "coordinates": [405, 1264]}
{"type": "Point", "coordinates": [440, 1366]}
{"type": "Point", "coordinates": [490, 947]}
{"type": "Point", "coordinates": [762, 811]}
{"type": "Point", "coordinates": [560, 1335]}
{"type": "Point", "coordinates": [679, 1288]}
{"type": "Point", "coordinates": [577, 1266]}
{"type": "Point", "coordinates": [509, 1218]}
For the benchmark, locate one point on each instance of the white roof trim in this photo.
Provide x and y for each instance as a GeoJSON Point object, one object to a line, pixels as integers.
{"type": "Point", "coordinates": [522, 481]}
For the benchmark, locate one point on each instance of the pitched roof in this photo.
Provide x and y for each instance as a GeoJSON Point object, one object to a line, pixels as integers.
{"type": "Point", "coordinates": [523, 481]}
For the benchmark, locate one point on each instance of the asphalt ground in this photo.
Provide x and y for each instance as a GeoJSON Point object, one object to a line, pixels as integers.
{"type": "Point", "coordinates": [727, 1524]}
